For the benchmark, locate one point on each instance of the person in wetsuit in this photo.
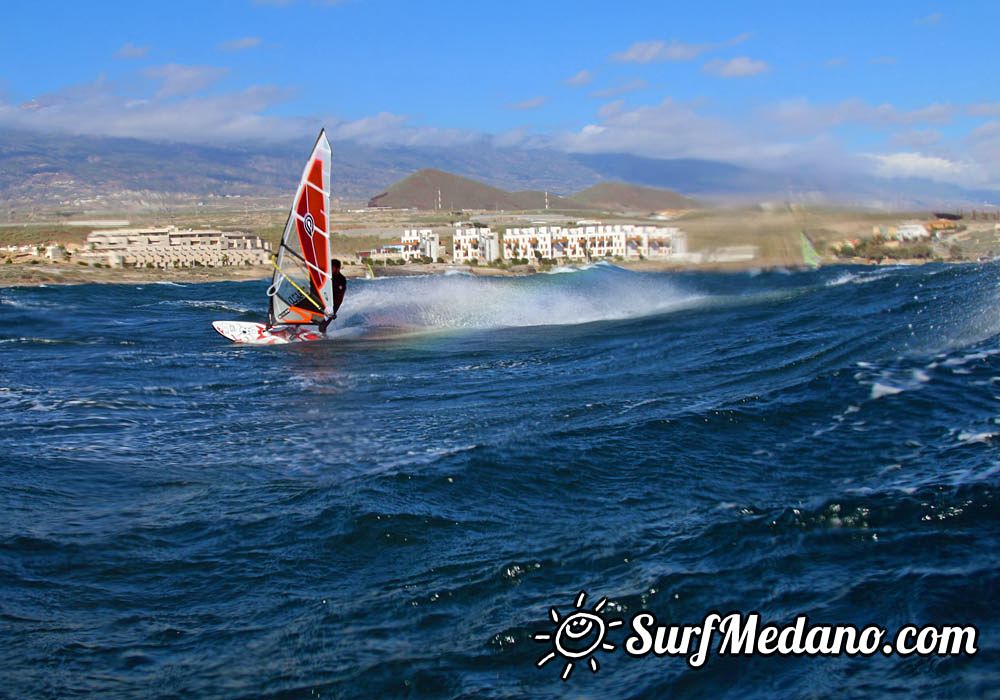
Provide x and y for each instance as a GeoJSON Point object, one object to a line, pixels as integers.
{"type": "Point", "coordinates": [339, 284]}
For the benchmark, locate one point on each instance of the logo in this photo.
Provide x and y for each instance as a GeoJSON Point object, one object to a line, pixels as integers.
{"type": "Point", "coordinates": [578, 636]}
{"type": "Point", "coordinates": [308, 224]}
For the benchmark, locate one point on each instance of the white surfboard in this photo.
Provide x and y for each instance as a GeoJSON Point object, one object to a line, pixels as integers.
{"type": "Point", "coordinates": [259, 334]}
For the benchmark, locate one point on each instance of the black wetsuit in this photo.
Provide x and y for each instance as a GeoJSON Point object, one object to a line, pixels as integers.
{"type": "Point", "coordinates": [313, 303]}
{"type": "Point", "coordinates": [339, 284]}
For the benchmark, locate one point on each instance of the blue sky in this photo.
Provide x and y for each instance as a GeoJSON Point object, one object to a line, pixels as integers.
{"type": "Point", "coordinates": [900, 88]}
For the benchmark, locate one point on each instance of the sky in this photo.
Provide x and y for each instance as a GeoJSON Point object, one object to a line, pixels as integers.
{"type": "Point", "coordinates": [886, 88]}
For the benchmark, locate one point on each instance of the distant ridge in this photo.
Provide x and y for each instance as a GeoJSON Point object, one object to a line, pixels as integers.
{"type": "Point", "coordinates": [421, 191]}
{"type": "Point", "coordinates": [79, 173]}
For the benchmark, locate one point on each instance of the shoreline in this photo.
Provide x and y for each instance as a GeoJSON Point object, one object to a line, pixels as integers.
{"type": "Point", "coordinates": [49, 273]}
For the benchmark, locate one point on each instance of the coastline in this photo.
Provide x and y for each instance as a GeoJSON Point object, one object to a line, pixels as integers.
{"type": "Point", "coordinates": [49, 273]}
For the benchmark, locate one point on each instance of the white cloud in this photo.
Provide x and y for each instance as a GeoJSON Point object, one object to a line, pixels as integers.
{"type": "Point", "coordinates": [916, 138]}
{"type": "Point", "coordinates": [973, 161]}
{"type": "Point", "coordinates": [512, 138]}
{"type": "Point", "coordinates": [368, 129]}
{"type": "Point", "coordinates": [611, 109]}
{"type": "Point", "coordinates": [176, 79]}
{"type": "Point", "coordinates": [929, 20]}
{"type": "Point", "coordinates": [914, 164]}
{"type": "Point", "coordinates": [584, 77]}
{"type": "Point", "coordinates": [671, 129]}
{"type": "Point", "coordinates": [130, 50]}
{"type": "Point", "coordinates": [99, 109]}
{"type": "Point", "coordinates": [984, 143]}
{"type": "Point", "coordinates": [172, 109]}
{"type": "Point", "coordinates": [247, 42]}
{"type": "Point", "coordinates": [884, 61]}
{"type": "Point", "coordinates": [673, 50]}
{"type": "Point", "coordinates": [649, 51]}
{"type": "Point", "coordinates": [621, 89]}
{"type": "Point", "coordinates": [835, 62]}
{"type": "Point", "coordinates": [803, 116]}
{"type": "Point", "coordinates": [989, 130]}
{"type": "Point", "coordinates": [984, 109]}
{"type": "Point", "coordinates": [674, 129]}
{"type": "Point", "coordinates": [385, 129]}
{"type": "Point", "coordinates": [937, 113]}
{"type": "Point", "coordinates": [739, 67]}
{"type": "Point", "coordinates": [233, 117]}
{"type": "Point", "coordinates": [532, 103]}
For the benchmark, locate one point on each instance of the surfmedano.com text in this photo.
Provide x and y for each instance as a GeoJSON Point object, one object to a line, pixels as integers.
{"type": "Point", "coordinates": [738, 634]}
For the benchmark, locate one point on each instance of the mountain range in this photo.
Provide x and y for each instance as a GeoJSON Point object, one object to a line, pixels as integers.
{"type": "Point", "coordinates": [97, 173]}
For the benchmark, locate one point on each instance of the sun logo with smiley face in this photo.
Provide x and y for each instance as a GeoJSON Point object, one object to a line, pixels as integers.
{"type": "Point", "coordinates": [578, 636]}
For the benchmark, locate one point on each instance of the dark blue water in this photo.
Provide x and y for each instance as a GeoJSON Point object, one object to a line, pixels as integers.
{"type": "Point", "coordinates": [394, 511]}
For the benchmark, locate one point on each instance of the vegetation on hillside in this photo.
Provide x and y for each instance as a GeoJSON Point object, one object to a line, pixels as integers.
{"type": "Point", "coordinates": [878, 248]}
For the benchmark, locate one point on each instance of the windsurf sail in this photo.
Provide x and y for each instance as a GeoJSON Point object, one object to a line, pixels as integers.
{"type": "Point", "coordinates": [809, 255]}
{"type": "Point", "coordinates": [301, 290]}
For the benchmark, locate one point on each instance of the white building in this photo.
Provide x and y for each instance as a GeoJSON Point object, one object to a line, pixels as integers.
{"type": "Point", "coordinates": [390, 251]}
{"type": "Point", "coordinates": [472, 243]}
{"type": "Point", "coordinates": [489, 246]}
{"type": "Point", "coordinates": [421, 243]}
{"type": "Point", "coordinates": [55, 253]}
{"type": "Point", "coordinates": [589, 240]}
{"type": "Point", "coordinates": [415, 244]}
{"type": "Point", "coordinates": [911, 232]}
{"type": "Point", "coordinates": [32, 250]}
{"type": "Point", "coordinates": [654, 242]}
{"type": "Point", "coordinates": [593, 240]}
{"type": "Point", "coordinates": [170, 247]}
{"type": "Point", "coordinates": [529, 244]}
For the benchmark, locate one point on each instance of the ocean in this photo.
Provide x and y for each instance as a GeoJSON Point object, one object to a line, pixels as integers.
{"type": "Point", "coordinates": [393, 512]}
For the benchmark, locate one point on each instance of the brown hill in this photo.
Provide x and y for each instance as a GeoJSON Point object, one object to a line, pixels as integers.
{"type": "Point", "coordinates": [420, 190]}
{"type": "Point", "coordinates": [532, 199]}
{"type": "Point", "coordinates": [621, 196]}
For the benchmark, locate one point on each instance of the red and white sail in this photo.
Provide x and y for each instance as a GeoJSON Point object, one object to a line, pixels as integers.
{"type": "Point", "coordinates": [301, 291]}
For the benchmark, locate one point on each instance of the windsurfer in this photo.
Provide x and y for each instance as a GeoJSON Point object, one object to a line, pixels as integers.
{"type": "Point", "coordinates": [339, 284]}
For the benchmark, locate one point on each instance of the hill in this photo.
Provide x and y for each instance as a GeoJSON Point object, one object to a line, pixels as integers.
{"type": "Point", "coordinates": [421, 191]}
{"type": "Point", "coordinates": [429, 188]}
{"type": "Point", "coordinates": [621, 196]}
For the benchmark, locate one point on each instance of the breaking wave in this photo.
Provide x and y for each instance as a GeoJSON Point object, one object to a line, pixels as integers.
{"type": "Point", "coordinates": [471, 302]}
